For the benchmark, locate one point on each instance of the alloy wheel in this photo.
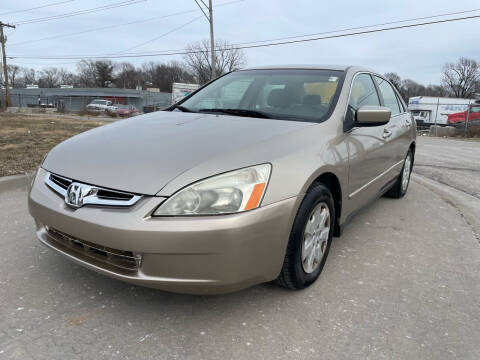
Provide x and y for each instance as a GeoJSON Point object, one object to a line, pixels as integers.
{"type": "Point", "coordinates": [315, 237]}
{"type": "Point", "coordinates": [406, 173]}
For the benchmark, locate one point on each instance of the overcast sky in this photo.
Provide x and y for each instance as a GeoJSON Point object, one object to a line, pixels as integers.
{"type": "Point", "coordinates": [416, 53]}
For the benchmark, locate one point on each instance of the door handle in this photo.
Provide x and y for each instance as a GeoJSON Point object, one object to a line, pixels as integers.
{"type": "Point", "coordinates": [386, 133]}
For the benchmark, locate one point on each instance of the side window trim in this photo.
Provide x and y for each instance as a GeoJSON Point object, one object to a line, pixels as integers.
{"type": "Point", "coordinates": [400, 105]}
{"type": "Point", "coordinates": [379, 93]}
{"type": "Point", "coordinates": [401, 102]}
{"type": "Point", "coordinates": [379, 96]}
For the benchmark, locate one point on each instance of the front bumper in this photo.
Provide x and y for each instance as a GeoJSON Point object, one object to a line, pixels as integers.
{"type": "Point", "coordinates": [201, 255]}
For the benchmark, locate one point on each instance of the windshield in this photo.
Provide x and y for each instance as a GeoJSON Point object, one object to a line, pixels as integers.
{"type": "Point", "coordinates": [475, 109]}
{"type": "Point", "coordinates": [99, 102]}
{"type": "Point", "coordinates": [302, 95]}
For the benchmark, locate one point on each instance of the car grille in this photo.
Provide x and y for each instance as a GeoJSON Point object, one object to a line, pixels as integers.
{"type": "Point", "coordinates": [60, 181]}
{"type": "Point", "coordinates": [106, 197]}
{"type": "Point", "coordinates": [118, 258]}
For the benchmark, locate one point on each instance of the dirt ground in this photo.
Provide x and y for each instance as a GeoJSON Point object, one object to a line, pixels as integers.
{"type": "Point", "coordinates": [25, 139]}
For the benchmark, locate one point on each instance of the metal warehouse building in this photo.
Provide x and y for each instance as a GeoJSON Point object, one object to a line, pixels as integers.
{"type": "Point", "coordinates": [75, 99]}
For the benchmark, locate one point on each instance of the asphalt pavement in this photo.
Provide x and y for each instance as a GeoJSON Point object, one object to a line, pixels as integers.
{"type": "Point", "coordinates": [453, 162]}
{"type": "Point", "coordinates": [403, 282]}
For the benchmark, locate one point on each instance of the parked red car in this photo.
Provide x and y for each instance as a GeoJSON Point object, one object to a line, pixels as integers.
{"type": "Point", "coordinates": [459, 118]}
{"type": "Point", "coordinates": [123, 110]}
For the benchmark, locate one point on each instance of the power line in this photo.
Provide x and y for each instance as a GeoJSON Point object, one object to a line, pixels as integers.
{"type": "Point", "coordinates": [358, 33]}
{"type": "Point", "coordinates": [35, 8]}
{"type": "Point", "coordinates": [117, 25]}
{"type": "Point", "coordinates": [44, 64]}
{"type": "Point", "coordinates": [202, 9]}
{"type": "Point", "coordinates": [360, 27]}
{"type": "Point", "coordinates": [160, 36]}
{"type": "Point", "coordinates": [100, 28]}
{"type": "Point", "coordinates": [184, 52]}
{"type": "Point", "coordinates": [297, 36]}
{"type": "Point", "coordinates": [335, 31]}
{"type": "Point", "coordinates": [80, 12]}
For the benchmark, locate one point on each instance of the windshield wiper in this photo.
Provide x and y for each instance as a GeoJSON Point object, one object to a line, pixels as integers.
{"type": "Point", "coordinates": [238, 112]}
{"type": "Point", "coordinates": [182, 108]}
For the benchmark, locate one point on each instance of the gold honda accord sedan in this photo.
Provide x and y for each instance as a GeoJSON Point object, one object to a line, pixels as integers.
{"type": "Point", "coordinates": [242, 182]}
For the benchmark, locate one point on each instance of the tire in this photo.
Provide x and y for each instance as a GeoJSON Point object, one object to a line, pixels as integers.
{"type": "Point", "coordinates": [399, 189]}
{"type": "Point", "coordinates": [296, 272]}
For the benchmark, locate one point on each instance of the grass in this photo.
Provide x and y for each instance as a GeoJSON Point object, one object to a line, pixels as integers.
{"type": "Point", "coordinates": [25, 139]}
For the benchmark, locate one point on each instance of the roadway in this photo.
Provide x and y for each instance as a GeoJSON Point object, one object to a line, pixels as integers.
{"type": "Point", "coordinates": [403, 282]}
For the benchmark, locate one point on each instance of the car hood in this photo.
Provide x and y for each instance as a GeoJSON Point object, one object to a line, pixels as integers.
{"type": "Point", "coordinates": [145, 153]}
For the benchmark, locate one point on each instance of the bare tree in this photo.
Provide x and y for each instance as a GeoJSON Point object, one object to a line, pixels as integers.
{"type": "Point", "coordinates": [409, 88]}
{"type": "Point", "coordinates": [126, 76]}
{"type": "Point", "coordinates": [227, 57]}
{"type": "Point", "coordinates": [49, 78]}
{"type": "Point", "coordinates": [177, 72]}
{"type": "Point", "coordinates": [395, 79]}
{"type": "Point", "coordinates": [19, 76]}
{"type": "Point", "coordinates": [460, 78]}
{"type": "Point", "coordinates": [98, 73]}
{"type": "Point", "coordinates": [28, 76]}
{"type": "Point", "coordinates": [163, 75]}
{"type": "Point", "coordinates": [86, 73]}
{"type": "Point", "coordinates": [13, 74]}
{"type": "Point", "coordinates": [436, 91]}
{"type": "Point", "coordinates": [67, 77]}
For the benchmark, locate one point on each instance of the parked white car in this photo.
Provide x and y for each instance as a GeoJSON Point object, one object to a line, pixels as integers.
{"type": "Point", "coordinates": [99, 105]}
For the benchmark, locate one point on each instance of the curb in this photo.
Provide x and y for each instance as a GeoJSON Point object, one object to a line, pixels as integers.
{"type": "Point", "coordinates": [16, 182]}
{"type": "Point", "coordinates": [467, 205]}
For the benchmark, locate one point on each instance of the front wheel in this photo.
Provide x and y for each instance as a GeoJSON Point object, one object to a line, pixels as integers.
{"type": "Point", "coordinates": [400, 187]}
{"type": "Point", "coordinates": [309, 240]}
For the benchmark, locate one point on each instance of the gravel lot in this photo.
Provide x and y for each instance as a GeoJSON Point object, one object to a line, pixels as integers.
{"type": "Point", "coordinates": [25, 139]}
{"type": "Point", "coordinates": [403, 282]}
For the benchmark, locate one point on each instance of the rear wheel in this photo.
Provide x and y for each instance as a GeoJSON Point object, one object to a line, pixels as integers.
{"type": "Point", "coordinates": [400, 187]}
{"type": "Point", "coordinates": [310, 239]}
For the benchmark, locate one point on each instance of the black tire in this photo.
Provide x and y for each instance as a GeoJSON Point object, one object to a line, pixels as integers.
{"type": "Point", "coordinates": [397, 191]}
{"type": "Point", "coordinates": [293, 275]}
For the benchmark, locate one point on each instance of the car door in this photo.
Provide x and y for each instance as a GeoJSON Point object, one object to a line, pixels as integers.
{"type": "Point", "coordinates": [369, 151]}
{"type": "Point", "coordinates": [400, 122]}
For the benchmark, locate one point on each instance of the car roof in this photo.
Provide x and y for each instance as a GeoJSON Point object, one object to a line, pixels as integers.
{"type": "Point", "coordinates": [311, 66]}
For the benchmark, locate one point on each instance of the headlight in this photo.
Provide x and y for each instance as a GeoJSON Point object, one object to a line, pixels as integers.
{"type": "Point", "coordinates": [232, 192]}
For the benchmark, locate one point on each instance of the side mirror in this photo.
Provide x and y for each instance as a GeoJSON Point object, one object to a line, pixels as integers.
{"type": "Point", "coordinates": [373, 115]}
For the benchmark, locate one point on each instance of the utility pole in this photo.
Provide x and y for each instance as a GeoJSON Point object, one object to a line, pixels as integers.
{"type": "Point", "coordinates": [4, 56]}
{"type": "Point", "coordinates": [209, 18]}
{"type": "Point", "coordinates": [212, 39]}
